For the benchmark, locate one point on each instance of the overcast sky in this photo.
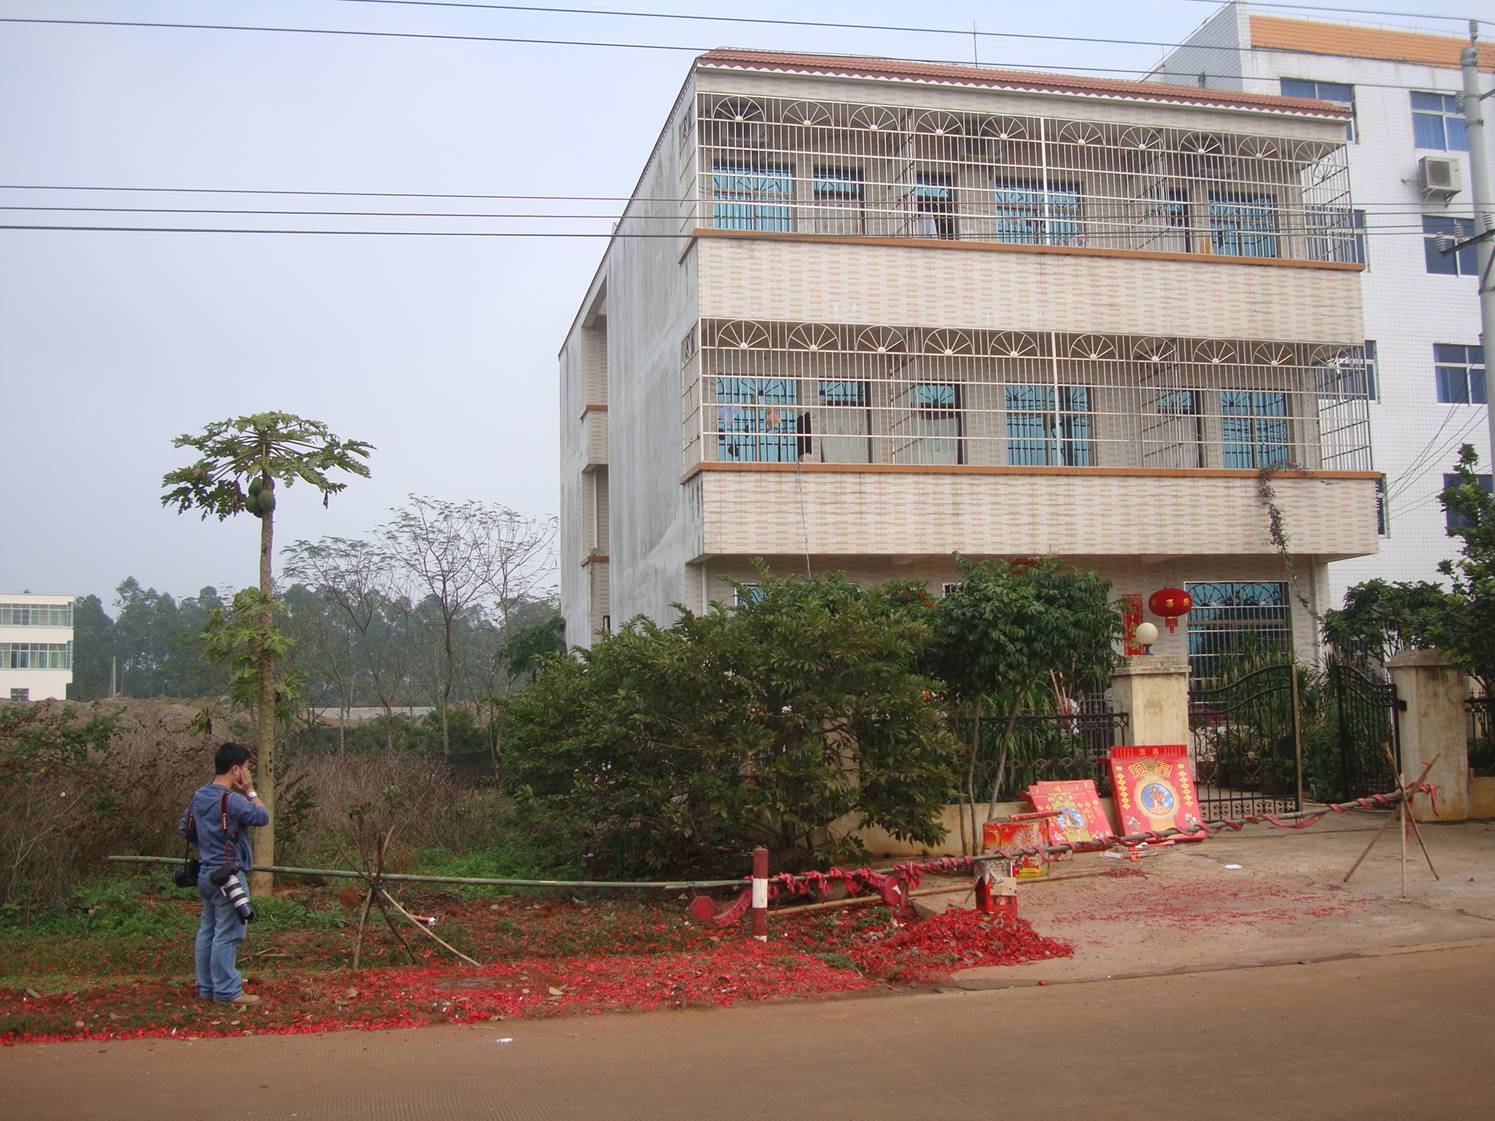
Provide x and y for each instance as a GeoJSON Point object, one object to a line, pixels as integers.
{"type": "Point", "coordinates": [440, 351]}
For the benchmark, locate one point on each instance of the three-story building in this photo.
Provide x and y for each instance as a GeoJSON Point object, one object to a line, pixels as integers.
{"type": "Point", "coordinates": [863, 315]}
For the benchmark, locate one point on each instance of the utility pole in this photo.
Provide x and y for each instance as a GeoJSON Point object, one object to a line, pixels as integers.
{"type": "Point", "coordinates": [1484, 200]}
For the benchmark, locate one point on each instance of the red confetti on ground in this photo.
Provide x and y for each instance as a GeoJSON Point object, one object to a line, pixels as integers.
{"type": "Point", "coordinates": [562, 960]}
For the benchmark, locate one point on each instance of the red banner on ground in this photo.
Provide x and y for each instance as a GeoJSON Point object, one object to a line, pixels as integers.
{"type": "Point", "coordinates": [1153, 788]}
{"type": "Point", "coordinates": [1081, 816]}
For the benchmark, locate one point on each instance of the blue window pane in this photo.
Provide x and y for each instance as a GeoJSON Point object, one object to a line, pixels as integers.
{"type": "Point", "coordinates": [932, 189]}
{"type": "Point", "coordinates": [838, 184]}
{"type": "Point", "coordinates": [1298, 87]}
{"type": "Point", "coordinates": [1477, 387]}
{"type": "Point", "coordinates": [1442, 352]}
{"type": "Point", "coordinates": [1335, 91]}
{"type": "Point", "coordinates": [1427, 131]}
{"type": "Point", "coordinates": [1458, 135]}
{"type": "Point", "coordinates": [1453, 386]}
{"type": "Point", "coordinates": [748, 198]}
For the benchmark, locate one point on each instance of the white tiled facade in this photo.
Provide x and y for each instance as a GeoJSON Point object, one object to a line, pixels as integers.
{"type": "Point", "coordinates": [1415, 439]}
{"type": "Point", "coordinates": [36, 646]}
{"type": "Point", "coordinates": [913, 312]}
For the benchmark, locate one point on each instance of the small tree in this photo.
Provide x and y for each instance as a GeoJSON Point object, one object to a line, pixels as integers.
{"type": "Point", "coordinates": [1470, 636]}
{"type": "Point", "coordinates": [1380, 619]}
{"type": "Point", "coordinates": [240, 461]}
{"type": "Point", "coordinates": [1008, 631]}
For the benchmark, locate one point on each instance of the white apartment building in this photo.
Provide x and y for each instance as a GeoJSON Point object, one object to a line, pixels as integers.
{"type": "Point", "coordinates": [1421, 306]}
{"type": "Point", "coordinates": [863, 315]}
{"type": "Point", "coordinates": [36, 646]}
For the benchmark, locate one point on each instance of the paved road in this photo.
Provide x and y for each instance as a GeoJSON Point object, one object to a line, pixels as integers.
{"type": "Point", "coordinates": [1389, 1038]}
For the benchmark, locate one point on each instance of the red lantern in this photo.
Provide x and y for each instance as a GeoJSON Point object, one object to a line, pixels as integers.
{"type": "Point", "coordinates": [1170, 604]}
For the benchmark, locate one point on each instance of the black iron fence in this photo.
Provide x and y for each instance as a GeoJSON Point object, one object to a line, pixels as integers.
{"type": "Point", "coordinates": [1480, 723]}
{"type": "Point", "coordinates": [1052, 747]}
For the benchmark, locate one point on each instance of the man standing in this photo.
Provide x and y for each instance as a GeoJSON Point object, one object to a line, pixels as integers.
{"type": "Point", "coordinates": [229, 796]}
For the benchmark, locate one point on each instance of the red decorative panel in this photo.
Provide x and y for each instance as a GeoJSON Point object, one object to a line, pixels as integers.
{"type": "Point", "coordinates": [1153, 788]}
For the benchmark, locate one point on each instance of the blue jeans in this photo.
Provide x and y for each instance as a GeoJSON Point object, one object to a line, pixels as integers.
{"type": "Point", "coordinates": [218, 937]}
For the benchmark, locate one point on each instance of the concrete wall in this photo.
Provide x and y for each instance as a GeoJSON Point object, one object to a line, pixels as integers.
{"type": "Point", "coordinates": [998, 287]}
{"type": "Point", "coordinates": [1214, 50]}
{"type": "Point", "coordinates": [911, 512]}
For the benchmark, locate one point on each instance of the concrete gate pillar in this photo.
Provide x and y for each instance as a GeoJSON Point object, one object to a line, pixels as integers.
{"type": "Point", "coordinates": [1154, 692]}
{"type": "Point", "coordinates": [1433, 725]}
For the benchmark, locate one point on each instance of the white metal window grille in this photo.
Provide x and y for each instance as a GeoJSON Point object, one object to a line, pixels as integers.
{"type": "Point", "coordinates": [1235, 620]}
{"type": "Point", "coordinates": [756, 419]}
{"type": "Point", "coordinates": [1246, 226]}
{"type": "Point", "coordinates": [777, 392]}
{"type": "Point", "coordinates": [20, 694]}
{"type": "Point", "coordinates": [778, 164]}
{"type": "Point", "coordinates": [1048, 426]}
{"type": "Point", "coordinates": [1438, 122]}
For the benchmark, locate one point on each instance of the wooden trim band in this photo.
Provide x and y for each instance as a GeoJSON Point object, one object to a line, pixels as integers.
{"type": "Point", "coordinates": [982, 469]}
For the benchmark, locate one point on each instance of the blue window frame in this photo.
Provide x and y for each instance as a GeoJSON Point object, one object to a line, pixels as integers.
{"type": "Point", "coordinates": [1253, 427]}
{"type": "Point", "coordinates": [1438, 123]}
{"type": "Point", "coordinates": [1452, 519]}
{"type": "Point", "coordinates": [1243, 225]}
{"type": "Point", "coordinates": [838, 185]}
{"type": "Point", "coordinates": [751, 198]}
{"type": "Point", "coordinates": [1046, 428]}
{"type": "Point", "coordinates": [756, 420]}
{"type": "Point", "coordinates": [1460, 374]}
{"type": "Point", "coordinates": [1338, 92]}
{"type": "Point", "coordinates": [1462, 263]}
{"type": "Point", "coordinates": [1029, 214]}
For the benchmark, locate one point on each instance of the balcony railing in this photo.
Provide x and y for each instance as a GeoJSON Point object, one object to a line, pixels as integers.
{"type": "Point", "coordinates": [774, 392]}
{"type": "Point", "coordinates": [821, 167]}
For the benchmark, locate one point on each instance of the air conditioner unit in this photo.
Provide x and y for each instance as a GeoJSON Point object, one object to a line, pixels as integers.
{"type": "Point", "coordinates": [1438, 176]}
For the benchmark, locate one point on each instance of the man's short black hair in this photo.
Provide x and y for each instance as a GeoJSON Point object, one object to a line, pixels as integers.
{"type": "Point", "coordinates": [228, 756]}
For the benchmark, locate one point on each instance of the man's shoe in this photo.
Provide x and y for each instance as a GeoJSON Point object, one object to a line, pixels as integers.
{"type": "Point", "coordinates": [244, 1000]}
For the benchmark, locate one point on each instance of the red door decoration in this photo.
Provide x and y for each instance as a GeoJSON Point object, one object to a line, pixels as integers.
{"type": "Point", "coordinates": [1170, 604]}
{"type": "Point", "coordinates": [1131, 615]}
{"type": "Point", "coordinates": [1081, 818]}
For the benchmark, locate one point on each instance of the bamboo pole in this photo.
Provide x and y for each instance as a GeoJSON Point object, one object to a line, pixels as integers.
{"type": "Point", "coordinates": [427, 931]}
{"type": "Point", "coordinates": [476, 881]}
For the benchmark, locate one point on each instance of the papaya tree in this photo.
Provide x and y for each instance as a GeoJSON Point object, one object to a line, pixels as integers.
{"type": "Point", "coordinates": [240, 461]}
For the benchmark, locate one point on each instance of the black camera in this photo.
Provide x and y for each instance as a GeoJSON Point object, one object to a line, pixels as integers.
{"type": "Point", "coordinates": [228, 883]}
{"type": "Point", "coordinates": [185, 873]}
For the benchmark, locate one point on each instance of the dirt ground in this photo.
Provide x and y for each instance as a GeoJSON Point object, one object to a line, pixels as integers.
{"type": "Point", "coordinates": [1285, 903]}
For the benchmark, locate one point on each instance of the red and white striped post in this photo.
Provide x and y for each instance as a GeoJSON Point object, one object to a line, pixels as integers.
{"type": "Point", "coordinates": [760, 894]}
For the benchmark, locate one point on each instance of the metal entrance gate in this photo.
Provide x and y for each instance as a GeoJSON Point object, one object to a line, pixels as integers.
{"type": "Point", "coordinates": [1364, 736]}
{"type": "Point", "coordinates": [1242, 745]}
{"type": "Point", "coordinates": [1266, 742]}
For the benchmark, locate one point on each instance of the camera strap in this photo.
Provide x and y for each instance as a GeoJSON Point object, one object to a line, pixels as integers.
{"type": "Point", "coordinates": [229, 842]}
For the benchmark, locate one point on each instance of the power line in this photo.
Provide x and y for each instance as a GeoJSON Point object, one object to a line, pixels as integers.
{"type": "Point", "coordinates": [698, 17]}
{"type": "Point", "coordinates": [678, 216]}
{"type": "Point", "coordinates": [673, 199]}
{"type": "Point", "coordinates": [1347, 11]}
{"type": "Point", "coordinates": [528, 41]}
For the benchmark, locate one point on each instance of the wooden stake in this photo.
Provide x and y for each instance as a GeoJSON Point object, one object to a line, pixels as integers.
{"type": "Point", "coordinates": [1385, 825]}
{"type": "Point", "coordinates": [363, 922]}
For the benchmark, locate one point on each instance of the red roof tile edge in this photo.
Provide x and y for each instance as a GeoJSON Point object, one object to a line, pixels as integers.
{"type": "Point", "coordinates": [861, 67]}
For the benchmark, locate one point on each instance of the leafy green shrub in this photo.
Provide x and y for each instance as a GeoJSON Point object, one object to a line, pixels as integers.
{"type": "Point", "coordinates": [674, 750]}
